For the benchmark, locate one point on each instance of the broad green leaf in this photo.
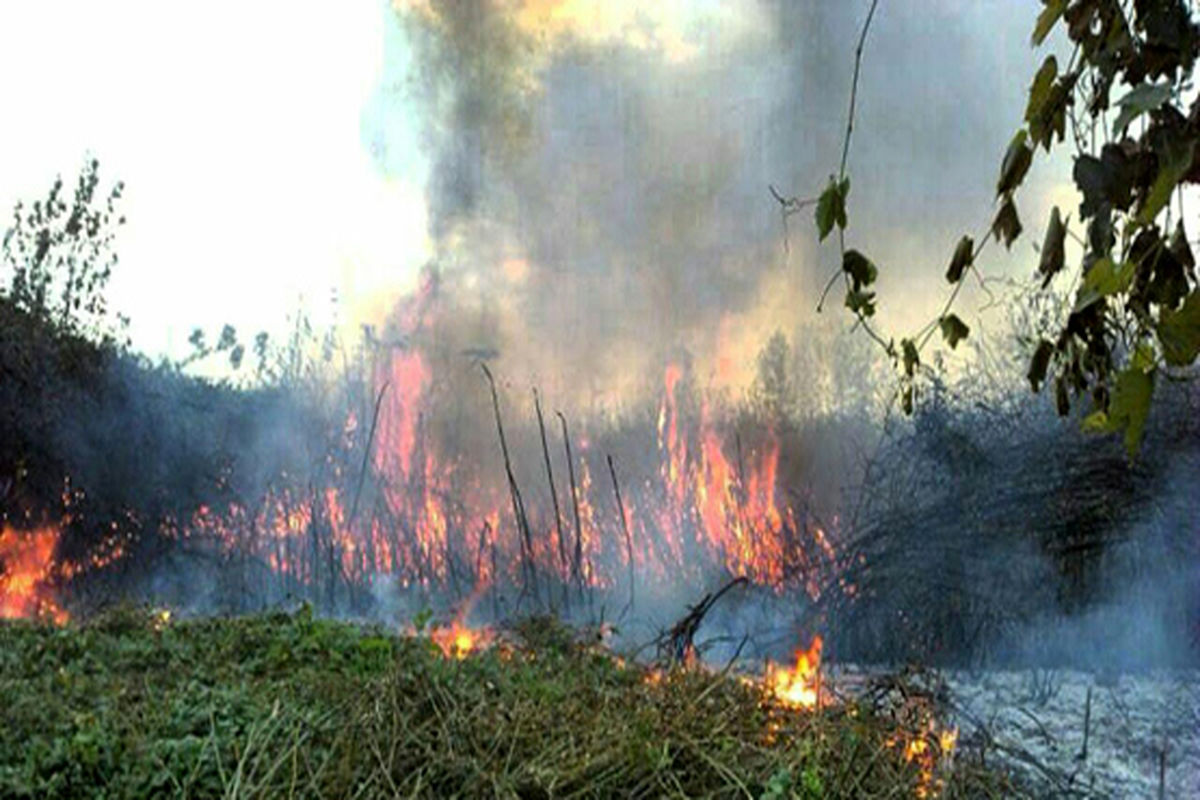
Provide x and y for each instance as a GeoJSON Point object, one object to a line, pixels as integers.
{"type": "Point", "coordinates": [1180, 248]}
{"type": "Point", "coordinates": [963, 256]}
{"type": "Point", "coordinates": [1049, 96]}
{"type": "Point", "coordinates": [1039, 94]}
{"type": "Point", "coordinates": [911, 357]}
{"type": "Point", "coordinates": [1046, 20]}
{"type": "Point", "coordinates": [953, 329]}
{"type": "Point", "coordinates": [1016, 163]}
{"type": "Point", "coordinates": [1053, 250]}
{"type": "Point", "coordinates": [860, 269]}
{"type": "Point", "coordinates": [1104, 279]}
{"type": "Point", "coordinates": [861, 302]}
{"type": "Point", "coordinates": [1039, 364]}
{"type": "Point", "coordinates": [1143, 98]}
{"type": "Point", "coordinates": [1105, 181]}
{"type": "Point", "coordinates": [1174, 164]}
{"type": "Point", "coordinates": [1179, 332]}
{"type": "Point", "coordinates": [1007, 225]}
{"type": "Point", "coordinates": [831, 207]}
{"type": "Point", "coordinates": [1130, 405]}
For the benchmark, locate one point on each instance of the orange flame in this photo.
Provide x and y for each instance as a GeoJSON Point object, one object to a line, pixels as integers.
{"type": "Point", "coordinates": [925, 748]}
{"type": "Point", "coordinates": [430, 518]}
{"type": "Point", "coordinates": [458, 641]}
{"type": "Point", "coordinates": [732, 505]}
{"type": "Point", "coordinates": [799, 687]}
{"type": "Point", "coordinates": [27, 573]}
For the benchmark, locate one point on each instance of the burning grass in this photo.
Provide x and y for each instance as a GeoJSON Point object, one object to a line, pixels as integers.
{"type": "Point", "coordinates": [132, 704]}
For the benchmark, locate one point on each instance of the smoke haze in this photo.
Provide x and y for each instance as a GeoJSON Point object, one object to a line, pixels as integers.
{"type": "Point", "coordinates": [597, 192]}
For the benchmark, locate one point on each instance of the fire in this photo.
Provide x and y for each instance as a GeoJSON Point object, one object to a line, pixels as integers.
{"type": "Point", "coordinates": [729, 504]}
{"type": "Point", "coordinates": [429, 518]}
{"type": "Point", "coordinates": [927, 747]}
{"type": "Point", "coordinates": [27, 572]}
{"type": "Point", "coordinates": [799, 687]}
{"type": "Point", "coordinates": [458, 641]}
{"type": "Point", "coordinates": [392, 498]}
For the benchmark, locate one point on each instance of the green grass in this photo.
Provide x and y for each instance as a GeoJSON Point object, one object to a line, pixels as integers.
{"type": "Point", "coordinates": [293, 706]}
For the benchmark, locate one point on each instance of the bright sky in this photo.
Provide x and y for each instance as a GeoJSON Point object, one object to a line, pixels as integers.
{"type": "Point", "coordinates": [236, 128]}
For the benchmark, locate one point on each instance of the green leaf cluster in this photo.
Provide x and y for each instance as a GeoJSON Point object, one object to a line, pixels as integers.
{"type": "Point", "coordinates": [1135, 310]}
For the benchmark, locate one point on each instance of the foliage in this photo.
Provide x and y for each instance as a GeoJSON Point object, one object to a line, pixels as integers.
{"type": "Point", "coordinates": [131, 705]}
{"type": "Point", "coordinates": [1136, 314]}
{"type": "Point", "coordinates": [60, 254]}
{"type": "Point", "coordinates": [774, 390]}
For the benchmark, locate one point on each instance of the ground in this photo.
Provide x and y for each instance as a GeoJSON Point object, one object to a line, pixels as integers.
{"type": "Point", "coordinates": [135, 704]}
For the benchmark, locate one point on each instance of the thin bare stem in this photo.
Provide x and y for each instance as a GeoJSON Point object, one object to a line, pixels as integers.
{"type": "Point", "coordinates": [858, 52]}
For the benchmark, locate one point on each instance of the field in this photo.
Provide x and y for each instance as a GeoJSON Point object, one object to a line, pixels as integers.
{"type": "Point", "coordinates": [134, 704]}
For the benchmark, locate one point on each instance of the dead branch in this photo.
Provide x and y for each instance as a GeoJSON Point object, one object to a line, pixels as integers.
{"type": "Point", "coordinates": [577, 565]}
{"type": "Point", "coordinates": [562, 550]}
{"type": "Point", "coordinates": [362, 473]}
{"type": "Point", "coordinates": [677, 644]}
{"type": "Point", "coordinates": [624, 527]}
{"type": "Point", "coordinates": [529, 569]}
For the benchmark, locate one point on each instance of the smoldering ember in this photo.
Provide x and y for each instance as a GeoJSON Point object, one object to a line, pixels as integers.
{"type": "Point", "coordinates": [538, 398]}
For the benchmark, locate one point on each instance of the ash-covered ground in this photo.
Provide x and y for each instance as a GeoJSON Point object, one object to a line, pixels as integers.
{"type": "Point", "coordinates": [1059, 732]}
{"type": "Point", "coordinates": [1142, 730]}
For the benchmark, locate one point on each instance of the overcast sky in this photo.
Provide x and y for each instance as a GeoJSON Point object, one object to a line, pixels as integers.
{"type": "Point", "coordinates": [275, 152]}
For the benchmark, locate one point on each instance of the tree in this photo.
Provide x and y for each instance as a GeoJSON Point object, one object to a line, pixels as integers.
{"type": "Point", "coordinates": [60, 254]}
{"type": "Point", "coordinates": [774, 390]}
{"type": "Point", "coordinates": [1136, 311]}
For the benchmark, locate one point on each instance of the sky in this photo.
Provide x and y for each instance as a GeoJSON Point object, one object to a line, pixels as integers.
{"type": "Point", "coordinates": [587, 175]}
{"type": "Point", "coordinates": [236, 129]}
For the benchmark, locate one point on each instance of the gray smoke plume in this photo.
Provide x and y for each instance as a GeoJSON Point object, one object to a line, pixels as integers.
{"type": "Point", "coordinates": [604, 203]}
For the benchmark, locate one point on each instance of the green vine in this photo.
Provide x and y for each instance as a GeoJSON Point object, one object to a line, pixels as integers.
{"type": "Point", "coordinates": [1136, 310]}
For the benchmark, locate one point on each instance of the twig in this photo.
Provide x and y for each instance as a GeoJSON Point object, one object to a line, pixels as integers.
{"type": "Point", "coordinates": [787, 207]}
{"type": "Point", "coordinates": [576, 567]}
{"type": "Point", "coordinates": [483, 536]}
{"type": "Point", "coordinates": [362, 474]}
{"type": "Point", "coordinates": [1162, 772]}
{"type": "Point", "coordinates": [790, 205]}
{"type": "Point", "coordinates": [562, 551]}
{"type": "Point", "coordinates": [858, 51]}
{"type": "Point", "coordinates": [1087, 722]}
{"type": "Point", "coordinates": [624, 527]}
{"type": "Point", "coordinates": [829, 285]}
{"type": "Point", "coordinates": [678, 642]}
{"type": "Point", "coordinates": [515, 491]}
{"type": "Point", "coordinates": [719, 678]}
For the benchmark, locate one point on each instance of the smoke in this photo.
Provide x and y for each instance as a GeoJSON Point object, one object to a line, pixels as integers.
{"type": "Point", "coordinates": [598, 183]}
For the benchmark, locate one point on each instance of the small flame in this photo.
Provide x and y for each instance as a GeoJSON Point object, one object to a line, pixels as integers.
{"type": "Point", "coordinates": [919, 750]}
{"type": "Point", "coordinates": [458, 641]}
{"type": "Point", "coordinates": [799, 687]}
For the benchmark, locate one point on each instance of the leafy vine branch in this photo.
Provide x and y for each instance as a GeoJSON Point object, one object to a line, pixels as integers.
{"type": "Point", "coordinates": [1136, 309]}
